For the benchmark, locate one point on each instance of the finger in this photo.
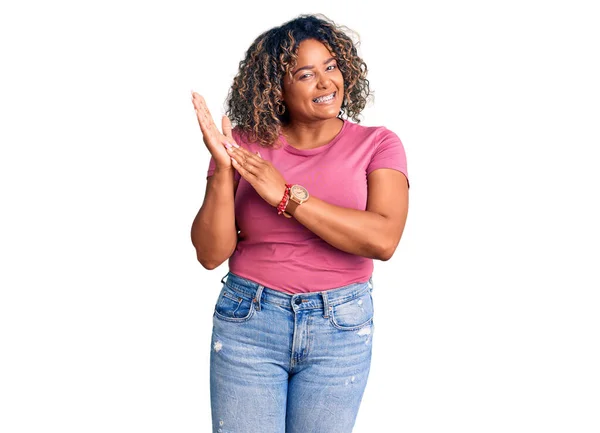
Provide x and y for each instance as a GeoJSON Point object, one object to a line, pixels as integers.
{"type": "Point", "coordinates": [227, 129]}
{"type": "Point", "coordinates": [198, 101]}
{"type": "Point", "coordinates": [251, 166]}
{"type": "Point", "coordinates": [208, 120]}
{"type": "Point", "coordinates": [242, 171]}
{"type": "Point", "coordinates": [247, 154]}
{"type": "Point", "coordinates": [245, 157]}
{"type": "Point", "coordinates": [202, 110]}
{"type": "Point", "coordinates": [207, 124]}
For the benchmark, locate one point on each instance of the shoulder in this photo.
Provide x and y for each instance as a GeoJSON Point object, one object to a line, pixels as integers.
{"type": "Point", "coordinates": [375, 135]}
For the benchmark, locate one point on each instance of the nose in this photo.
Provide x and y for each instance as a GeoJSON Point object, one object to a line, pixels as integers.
{"type": "Point", "coordinates": [324, 82]}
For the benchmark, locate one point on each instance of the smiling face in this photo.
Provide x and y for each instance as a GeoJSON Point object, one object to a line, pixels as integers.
{"type": "Point", "coordinates": [315, 89]}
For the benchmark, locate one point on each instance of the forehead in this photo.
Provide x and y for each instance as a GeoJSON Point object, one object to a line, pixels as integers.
{"type": "Point", "coordinates": [312, 52]}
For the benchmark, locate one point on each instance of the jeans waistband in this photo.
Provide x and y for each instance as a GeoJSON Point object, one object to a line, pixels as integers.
{"type": "Point", "coordinates": [300, 301]}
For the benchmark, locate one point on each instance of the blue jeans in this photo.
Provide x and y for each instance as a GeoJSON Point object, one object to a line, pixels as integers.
{"type": "Point", "coordinates": [283, 363]}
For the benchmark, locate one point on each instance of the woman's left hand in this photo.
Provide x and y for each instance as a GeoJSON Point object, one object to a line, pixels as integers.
{"type": "Point", "coordinates": [262, 175]}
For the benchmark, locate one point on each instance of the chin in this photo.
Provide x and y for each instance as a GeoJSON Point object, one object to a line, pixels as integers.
{"type": "Point", "coordinates": [333, 112]}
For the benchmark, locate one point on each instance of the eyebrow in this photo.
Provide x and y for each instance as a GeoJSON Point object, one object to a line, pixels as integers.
{"type": "Point", "coordinates": [311, 66]}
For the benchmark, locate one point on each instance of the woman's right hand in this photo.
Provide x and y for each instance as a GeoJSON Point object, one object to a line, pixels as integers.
{"type": "Point", "coordinates": [215, 141]}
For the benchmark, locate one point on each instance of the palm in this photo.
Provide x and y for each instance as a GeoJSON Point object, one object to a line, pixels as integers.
{"type": "Point", "coordinates": [213, 139]}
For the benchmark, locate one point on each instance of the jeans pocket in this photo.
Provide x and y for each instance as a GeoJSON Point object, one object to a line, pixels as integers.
{"type": "Point", "coordinates": [353, 314]}
{"type": "Point", "coordinates": [233, 307]}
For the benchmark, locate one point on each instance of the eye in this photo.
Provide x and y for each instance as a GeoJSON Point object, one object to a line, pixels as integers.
{"type": "Point", "coordinates": [304, 76]}
{"type": "Point", "coordinates": [331, 67]}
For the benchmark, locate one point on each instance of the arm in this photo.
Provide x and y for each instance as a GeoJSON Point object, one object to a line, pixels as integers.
{"type": "Point", "coordinates": [373, 233]}
{"type": "Point", "coordinates": [214, 234]}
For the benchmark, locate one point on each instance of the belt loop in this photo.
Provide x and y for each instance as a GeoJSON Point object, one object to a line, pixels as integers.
{"type": "Point", "coordinates": [371, 282]}
{"type": "Point", "coordinates": [325, 305]}
{"type": "Point", "coordinates": [223, 282]}
{"type": "Point", "coordinates": [257, 296]}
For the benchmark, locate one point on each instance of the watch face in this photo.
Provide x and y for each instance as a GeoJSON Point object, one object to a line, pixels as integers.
{"type": "Point", "coordinates": [299, 192]}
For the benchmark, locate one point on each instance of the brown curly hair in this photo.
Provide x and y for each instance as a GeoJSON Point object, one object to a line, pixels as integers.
{"type": "Point", "coordinates": [255, 104]}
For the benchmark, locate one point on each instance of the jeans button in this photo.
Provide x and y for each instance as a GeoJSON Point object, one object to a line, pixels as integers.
{"type": "Point", "coordinates": [298, 301]}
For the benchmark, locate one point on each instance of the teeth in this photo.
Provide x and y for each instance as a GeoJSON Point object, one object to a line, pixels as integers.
{"type": "Point", "coordinates": [325, 98]}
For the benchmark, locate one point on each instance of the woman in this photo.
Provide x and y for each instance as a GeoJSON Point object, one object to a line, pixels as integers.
{"type": "Point", "coordinates": [300, 200]}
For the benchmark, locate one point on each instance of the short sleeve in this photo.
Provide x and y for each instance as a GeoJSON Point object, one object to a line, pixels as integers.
{"type": "Point", "coordinates": [389, 153]}
{"type": "Point", "coordinates": [212, 164]}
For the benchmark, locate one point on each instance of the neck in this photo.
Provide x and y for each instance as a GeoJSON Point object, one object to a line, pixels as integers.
{"type": "Point", "coordinates": [308, 135]}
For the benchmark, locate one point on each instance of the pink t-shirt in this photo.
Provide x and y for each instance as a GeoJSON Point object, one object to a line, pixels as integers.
{"type": "Point", "coordinates": [282, 254]}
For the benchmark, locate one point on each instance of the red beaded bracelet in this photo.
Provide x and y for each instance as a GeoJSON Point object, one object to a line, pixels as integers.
{"type": "Point", "coordinates": [284, 201]}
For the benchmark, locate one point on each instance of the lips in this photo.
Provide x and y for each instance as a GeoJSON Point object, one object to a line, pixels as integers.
{"type": "Point", "coordinates": [325, 98]}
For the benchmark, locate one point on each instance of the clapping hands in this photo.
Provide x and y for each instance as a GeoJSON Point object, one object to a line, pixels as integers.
{"type": "Point", "coordinates": [261, 174]}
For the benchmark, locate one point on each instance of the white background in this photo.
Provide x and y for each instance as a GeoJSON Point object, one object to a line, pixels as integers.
{"type": "Point", "coordinates": [487, 317]}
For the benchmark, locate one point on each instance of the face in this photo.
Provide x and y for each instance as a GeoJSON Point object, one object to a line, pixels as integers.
{"type": "Point", "coordinates": [315, 89]}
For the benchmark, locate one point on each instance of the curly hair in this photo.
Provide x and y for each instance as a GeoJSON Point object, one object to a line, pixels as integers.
{"type": "Point", "coordinates": [255, 104]}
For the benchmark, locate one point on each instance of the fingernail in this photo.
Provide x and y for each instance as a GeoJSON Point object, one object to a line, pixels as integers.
{"type": "Point", "coordinates": [228, 146]}
{"type": "Point", "coordinates": [235, 145]}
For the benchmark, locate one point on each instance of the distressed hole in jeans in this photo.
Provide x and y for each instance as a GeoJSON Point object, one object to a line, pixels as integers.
{"type": "Point", "coordinates": [366, 331]}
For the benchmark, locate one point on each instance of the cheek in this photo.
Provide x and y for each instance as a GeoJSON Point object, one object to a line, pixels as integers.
{"type": "Point", "coordinates": [339, 82]}
{"type": "Point", "coordinates": [300, 96]}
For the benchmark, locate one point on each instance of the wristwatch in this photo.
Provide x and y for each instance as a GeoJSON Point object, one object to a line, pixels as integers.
{"type": "Point", "coordinates": [298, 195]}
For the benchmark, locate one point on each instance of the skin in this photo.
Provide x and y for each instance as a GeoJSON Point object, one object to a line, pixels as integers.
{"type": "Point", "coordinates": [214, 234]}
{"type": "Point", "coordinates": [374, 232]}
{"type": "Point", "coordinates": [316, 74]}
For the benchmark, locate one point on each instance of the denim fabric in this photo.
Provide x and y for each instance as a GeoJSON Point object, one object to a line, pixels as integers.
{"type": "Point", "coordinates": [289, 363]}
